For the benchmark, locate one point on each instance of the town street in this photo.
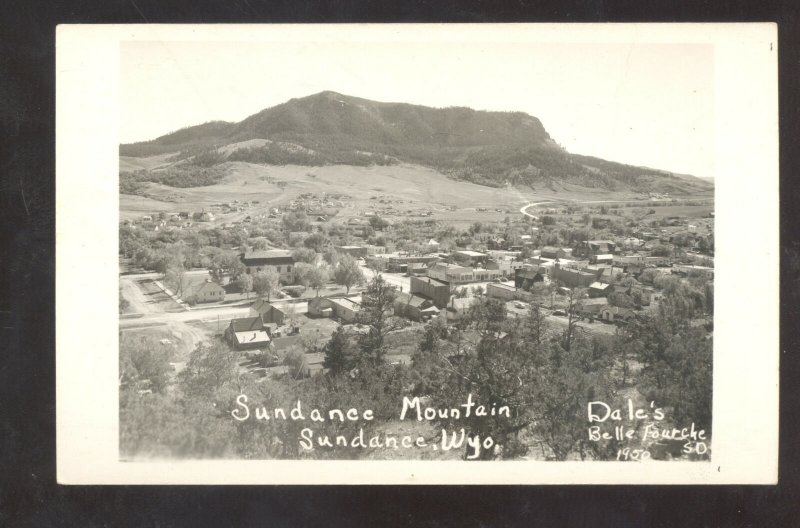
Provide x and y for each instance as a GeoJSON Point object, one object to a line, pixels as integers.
{"type": "Point", "coordinates": [401, 282]}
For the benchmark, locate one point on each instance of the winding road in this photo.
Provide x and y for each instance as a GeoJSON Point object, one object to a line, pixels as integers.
{"type": "Point", "coordinates": [524, 208]}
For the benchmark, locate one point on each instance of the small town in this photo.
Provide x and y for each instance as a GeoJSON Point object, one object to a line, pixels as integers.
{"type": "Point", "coordinates": [295, 293]}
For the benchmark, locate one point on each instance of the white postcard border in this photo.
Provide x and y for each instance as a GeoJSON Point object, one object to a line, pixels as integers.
{"type": "Point", "coordinates": [746, 348]}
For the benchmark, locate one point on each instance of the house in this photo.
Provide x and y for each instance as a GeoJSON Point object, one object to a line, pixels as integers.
{"type": "Point", "coordinates": [354, 251]}
{"type": "Point", "coordinates": [501, 291]}
{"type": "Point", "coordinates": [693, 271]}
{"type": "Point", "coordinates": [268, 312]}
{"type": "Point", "coordinates": [588, 248]}
{"type": "Point", "coordinates": [497, 243]}
{"type": "Point", "coordinates": [450, 273]}
{"type": "Point", "coordinates": [375, 250]}
{"type": "Point", "coordinates": [550, 252]}
{"type": "Point", "coordinates": [437, 291]}
{"type": "Point", "coordinates": [469, 258]}
{"type": "Point", "coordinates": [400, 264]}
{"type": "Point", "coordinates": [415, 307]}
{"type": "Point", "coordinates": [247, 333]}
{"type": "Point", "coordinates": [574, 278]}
{"type": "Point", "coordinates": [526, 277]}
{"type": "Point", "coordinates": [601, 259]}
{"type": "Point", "coordinates": [206, 291]}
{"type": "Point", "coordinates": [590, 307]}
{"type": "Point", "coordinates": [279, 260]}
{"type": "Point", "coordinates": [657, 261]}
{"type": "Point", "coordinates": [147, 218]}
{"type": "Point", "coordinates": [631, 242]}
{"type": "Point", "coordinates": [433, 246]}
{"type": "Point", "coordinates": [615, 314]}
{"type": "Point", "coordinates": [600, 289]}
{"type": "Point", "coordinates": [506, 266]}
{"type": "Point", "coordinates": [458, 307]}
{"type": "Point", "coordinates": [343, 308]}
{"type": "Point", "coordinates": [485, 274]}
{"type": "Point", "coordinates": [455, 274]}
{"type": "Point", "coordinates": [417, 268]}
{"type": "Point", "coordinates": [626, 260]}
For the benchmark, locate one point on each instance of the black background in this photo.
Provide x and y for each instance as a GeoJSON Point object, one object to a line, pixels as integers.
{"type": "Point", "coordinates": [29, 495]}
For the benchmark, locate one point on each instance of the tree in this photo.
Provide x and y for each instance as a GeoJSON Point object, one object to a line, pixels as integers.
{"type": "Point", "coordinates": [677, 362]}
{"type": "Point", "coordinates": [348, 273]}
{"type": "Point", "coordinates": [376, 313]}
{"type": "Point", "coordinates": [311, 276]}
{"type": "Point", "coordinates": [266, 283]}
{"type": "Point", "coordinates": [307, 255]}
{"type": "Point", "coordinates": [211, 367]}
{"type": "Point", "coordinates": [226, 263]}
{"type": "Point", "coordinates": [295, 360]}
{"type": "Point", "coordinates": [331, 256]}
{"type": "Point", "coordinates": [260, 243]}
{"type": "Point", "coordinates": [175, 277]}
{"type": "Point", "coordinates": [573, 297]}
{"type": "Point", "coordinates": [570, 379]}
{"type": "Point", "coordinates": [341, 352]}
{"type": "Point", "coordinates": [144, 362]}
{"type": "Point", "coordinates": [661, 251]}
{"type": "Point", "coordinates": [244, 284]}
{"type": "Point", "coordinates": [297, 221]}
{"type": "Point", "coordinates": [316, 241]}
{"type": "Point", "coordinates": [621, 299]}
{"type": "Point", "coordinates": [378, 223]}
{"type": "Point", "coordinates": [499, 367]}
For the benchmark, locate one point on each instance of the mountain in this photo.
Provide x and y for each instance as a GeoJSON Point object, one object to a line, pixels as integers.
{"type": "Point", "coordinates": [489, 148]}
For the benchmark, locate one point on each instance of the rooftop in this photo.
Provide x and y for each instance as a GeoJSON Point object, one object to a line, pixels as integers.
{"type": "Point", "coordinates": [411, 299]}
{"type": "Point", "coordinates": [432, 281]}
{"type": "Point", "coordinates": [247, 324]}
{"type": "Point", "coordinates": [346, 303]}
{"type": "Point", "coordinates": [501, 286]}
{"type": "Point", "coordinates": [257, 336]}
{"type": "Point", "coordinates": [205, 286]}
{"type": "Point", "coordinates": [268, 254]}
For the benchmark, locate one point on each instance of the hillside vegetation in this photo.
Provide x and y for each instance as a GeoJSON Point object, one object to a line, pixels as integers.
{"type": "Point", "coordinates": [489, 148]}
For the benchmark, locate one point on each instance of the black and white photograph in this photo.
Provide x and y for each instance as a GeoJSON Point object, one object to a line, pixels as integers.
{"type": "Point", "coordinates": [456, 248]}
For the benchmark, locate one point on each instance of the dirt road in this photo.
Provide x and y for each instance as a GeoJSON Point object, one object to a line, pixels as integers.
{"type": "Point", "coordinates": [135, 296]}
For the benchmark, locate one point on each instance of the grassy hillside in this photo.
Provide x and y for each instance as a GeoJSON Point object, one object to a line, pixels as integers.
{"type": "Point", "coordinates": [488, 148]}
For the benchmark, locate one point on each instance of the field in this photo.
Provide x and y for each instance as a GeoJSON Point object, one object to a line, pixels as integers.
{"type": "Point", "coordinates": [129, 164]}
{"type": "Point", "coordinates": [683, 211]}
{"type": "Point", "coordinates": [412, 188]}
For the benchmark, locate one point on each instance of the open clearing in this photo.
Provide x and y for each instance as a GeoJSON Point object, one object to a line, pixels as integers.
{"type": "Point", "coordinates": [411, 188]}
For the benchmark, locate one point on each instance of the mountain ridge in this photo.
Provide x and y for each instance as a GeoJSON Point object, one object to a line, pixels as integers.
{"type": "Point", "coordinates": [487, 147]}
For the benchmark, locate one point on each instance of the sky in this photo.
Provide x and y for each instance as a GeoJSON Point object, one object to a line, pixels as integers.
{"type": "Point", "coordinates": [641, 104]}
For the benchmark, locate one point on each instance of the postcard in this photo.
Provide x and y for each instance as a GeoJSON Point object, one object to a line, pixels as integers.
{"type": "Point", "coordinates": [417, 254]}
